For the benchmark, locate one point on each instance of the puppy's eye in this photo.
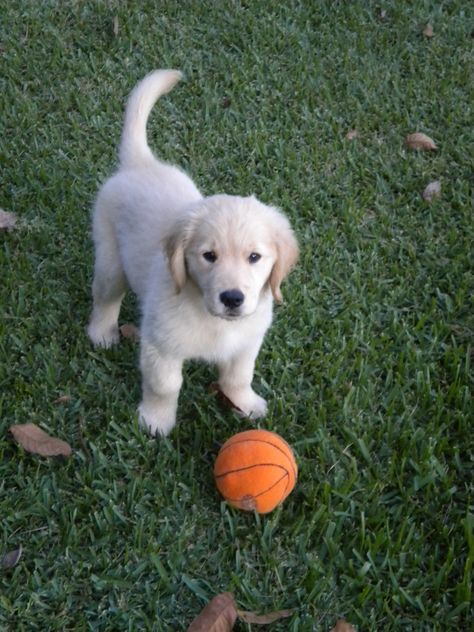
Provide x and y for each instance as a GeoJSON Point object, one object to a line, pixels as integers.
{"type": "Point", "coordinates": [254, 257]}
{"type": "Point", "coordinates": [210, 256]}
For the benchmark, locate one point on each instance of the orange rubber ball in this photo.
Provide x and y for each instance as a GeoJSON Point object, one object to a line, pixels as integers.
{"type": "Point", "coordinates": [255, 470]}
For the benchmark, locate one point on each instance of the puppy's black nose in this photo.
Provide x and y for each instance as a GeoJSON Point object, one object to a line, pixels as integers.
{"type": "Point", "coordinates": [232, 298]}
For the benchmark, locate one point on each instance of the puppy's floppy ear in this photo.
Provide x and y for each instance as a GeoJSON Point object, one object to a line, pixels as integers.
{"type": "Point", "coordinates": [175, 247]}
{"type": "Point", "coordinates": [176, 243]}
{"type": "Point", "coordinates": [287, 256]}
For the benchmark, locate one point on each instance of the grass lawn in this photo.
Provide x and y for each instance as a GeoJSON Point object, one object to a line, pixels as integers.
{"type": "Point", "coordinates": [367, 368]}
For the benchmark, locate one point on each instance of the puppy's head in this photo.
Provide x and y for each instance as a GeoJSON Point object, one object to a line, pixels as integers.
{"type": "Point", "coordinates": [233, 249]}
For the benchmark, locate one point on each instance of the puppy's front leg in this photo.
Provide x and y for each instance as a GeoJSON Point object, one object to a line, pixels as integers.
{"type": "Point", "coordinates": [161, 383]}
{"type": "Point", "coordinates": [235, 379]}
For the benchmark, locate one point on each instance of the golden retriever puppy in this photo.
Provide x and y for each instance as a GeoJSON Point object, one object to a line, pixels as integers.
{"type": "Point", "coordinates": [205, 269]}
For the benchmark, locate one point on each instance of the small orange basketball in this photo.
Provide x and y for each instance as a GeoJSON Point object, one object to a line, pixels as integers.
{"type": "Point", "coordinates": [255, 470]}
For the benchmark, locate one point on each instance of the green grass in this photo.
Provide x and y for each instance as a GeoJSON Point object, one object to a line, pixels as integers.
{"type": "Point", "coordinates": [367, 368]}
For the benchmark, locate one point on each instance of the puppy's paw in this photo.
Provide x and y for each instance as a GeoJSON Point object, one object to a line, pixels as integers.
{"type": "Point", "coordinates": [246, 402]}
{"type": "Point", "coordinates": [257, 407]}
{"type": "Point", "coordinates": [103, 337]}
{"type": "Point", "coordinates": [156, 422]}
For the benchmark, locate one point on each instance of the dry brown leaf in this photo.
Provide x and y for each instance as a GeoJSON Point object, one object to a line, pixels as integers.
{"type": "Point", "coordinates": [352, 134]}
{"type": "Point", "coordinates": [215, 388]}
{"type": "Point", "coordinates": [420, 141]}
{"type": "Point", "coordinates": [63, 399]}
{"type": "Point", "coordinates": [432, 190]}
{"type": "Point", "coordinates": [262, 619]}
{"type": "Point", "coordinates": [218, 616]}
{"type": "Point", "coordinates": [428, 31]}
{"type": "Point", "coordinates": [7, 220]}
{"type": "Point", "coordinates": [37, 441]}
{"type": "Point", "coordinates": [130, 332]}
{"type": "Point", "coordinates": [343, 626]}
{"type": "Point", "coordinates": [10, 559]}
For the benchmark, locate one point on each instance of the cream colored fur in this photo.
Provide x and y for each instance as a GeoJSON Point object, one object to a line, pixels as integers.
{"type": "Point", "coordinates": [205, 270]}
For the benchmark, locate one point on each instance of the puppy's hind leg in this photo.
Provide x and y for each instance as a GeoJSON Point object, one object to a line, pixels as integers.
{"type": "Point", "coordinates": [109, 285]}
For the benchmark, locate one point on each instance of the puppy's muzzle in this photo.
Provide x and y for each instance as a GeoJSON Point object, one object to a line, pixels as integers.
{"type": "Point", "coordinates": [232, 299]}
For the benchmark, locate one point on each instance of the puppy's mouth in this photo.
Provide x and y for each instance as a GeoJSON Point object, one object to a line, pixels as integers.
{"type": "Point", "coordinates": [230, 315]}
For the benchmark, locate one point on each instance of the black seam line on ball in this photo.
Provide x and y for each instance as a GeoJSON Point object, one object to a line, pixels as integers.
{"type": "Point", "coordinates": [250, 467]}
{"type": "Point", "coordinates": [226, 447]}
{"type": "Point", "coordinates": [238, 500]}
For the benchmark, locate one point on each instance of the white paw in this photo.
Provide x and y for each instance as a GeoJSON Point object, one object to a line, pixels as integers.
{"type": "Point", "coordinates": [256, 408]}
{"type": "Point", "coordinates": [156, 421]}
{"type": "Point", "coordinates": [103, 337]}
{"type": "Point", "coordinates": [247, 402]}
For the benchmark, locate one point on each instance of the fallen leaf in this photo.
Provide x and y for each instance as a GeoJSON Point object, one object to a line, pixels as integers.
{"type": "Point", "coordinates": [130, 332]}
{"type": "Point", "coordinates": [10, 559]}
{"type": "Point", "coordinates": [215, 388]}
{"type": "Point", "coordinates": [432, 190]}
{"type": "Point", "coordinates": [218, 616]}
{"type": "Point", "coordinates": [37, 441]}
{"type": "Point", "coordinates": [369, 216]}
{"type": "Point", "coordinates": [262, 619]}
{"type": "Point", "coordinates": [63, 399]}
{"type": "Point", "coordinates": [115, 26]}
{"type": "Point", "coordinates": [352, 134]}
{"type": "Point", "coordinates": [420, 141]}
{"type": "Point", "coordinates": [428, 31]}
{"type": "Point", "coordinates": [7, 220]}
{"type": "Point", "coordinates": [343, 626]}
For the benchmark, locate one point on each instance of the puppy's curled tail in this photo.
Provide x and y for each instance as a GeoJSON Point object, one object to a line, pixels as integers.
{"type": "Point", "coordinates": [134, 148]}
